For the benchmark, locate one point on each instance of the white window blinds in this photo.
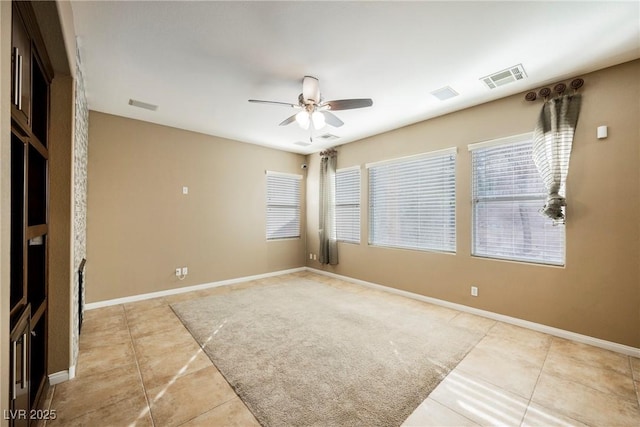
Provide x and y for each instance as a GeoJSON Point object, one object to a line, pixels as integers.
{"type": "Point", "coordinates": [283, 205]}
{"type": "Point", "coordinates": [348, 204]}
{"type": "Point", "coordinates": [412, 202]}
{"type": "Point", "coordinates": [507, 195]}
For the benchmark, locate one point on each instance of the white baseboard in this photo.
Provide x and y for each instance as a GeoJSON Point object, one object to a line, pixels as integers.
{"type": "Point", "coordinates": [561, 333]}
{"type": "Point", "coordinates": [59, 377]}
{"type": "Point", "coordinates": [141, 297]}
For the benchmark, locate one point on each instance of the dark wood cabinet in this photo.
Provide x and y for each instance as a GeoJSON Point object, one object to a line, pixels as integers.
{"type": "Point", "coordinates": [30, 87]}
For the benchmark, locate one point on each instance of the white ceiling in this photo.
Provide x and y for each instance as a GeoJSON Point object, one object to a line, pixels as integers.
{"type": "Point", "coordinates": [201, 61]}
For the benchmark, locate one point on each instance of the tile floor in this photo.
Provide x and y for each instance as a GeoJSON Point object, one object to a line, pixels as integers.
{"type": "Point", "coordinates": [139, 366]}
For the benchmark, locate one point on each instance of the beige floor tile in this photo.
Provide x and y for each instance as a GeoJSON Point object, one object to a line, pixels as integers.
{"type": "Point", "coordinates": [130, 412]}
{"type": "Point", "coordinates": [101, 314]}
{"type": "Point", "coordinates": [115, 320]}
{"type": "Point", "coordinates": [604, 379]}
{"type": "Point", "coordinates": [525, 338]}
{"type": "Point", "coordinates": [503, 370]}
{"type": "Point", "coordinates": [99, 338]}
{"type": "Point", "coordinates": [105, 358]}
{"type": "Point", "coordinates": [76, 397]}
{"type": "Point", "coordinates": [188, 397]}
{"type": "Point", "coordinates": [134, 308]}
{"type": "Point", "coordinates": [218, 290]}
{"type": "Point", "coordinates": [638, 391]}
{"type": "Point", "coordinates": [635, 366]}
{"type": "Point", "coordinates": [592, 356]}
{"type": "Point", "coordinates": [153, 321]}
{"type": "Point", "coordinates": [180, 361]}
{"type": "Point", "coordinates": [163, 343]}
{"type": "Point", "coordinates": [479, 401]}
{"type": "Point", "coordinates": [432, 414]}
{"type": "Point", "coordinates": [233, 413]}
{"type": "Point", "coordinates": [537, 416]}
{"type": "Point", "coordinates": [585, 404]}
{"type": "Point", "coordinates": [184, 296]}
{"type": "Point", "coordinates": [473, 322]}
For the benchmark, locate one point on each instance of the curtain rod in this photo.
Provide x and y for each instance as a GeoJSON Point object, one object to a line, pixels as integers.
{"type": "Point", "coordinates": [559, 88]}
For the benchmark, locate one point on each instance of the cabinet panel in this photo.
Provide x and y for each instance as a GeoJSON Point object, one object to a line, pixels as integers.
{"type": "Point", "coordinates": [38, 369]}
{"type": "Point", "coordinates": [37, 271]}
{"type": "Point", "coordinates": [21, 70]}
{"type": "Point", "coordinates": [20, 370]}
{"type": "Point", "coordinates": [40, 102]}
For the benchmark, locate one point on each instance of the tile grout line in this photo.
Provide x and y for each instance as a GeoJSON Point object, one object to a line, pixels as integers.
{"type": "Point", "coordinates": [633, 380]}
{"type": "Point", "coordinates": [135, 356]}
{"type": "Point", "coordinates": [544, 362]}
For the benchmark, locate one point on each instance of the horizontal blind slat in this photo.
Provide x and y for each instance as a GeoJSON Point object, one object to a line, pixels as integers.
{"type": "Point", "coordinates": [412, 203]}
{"type": "Point", "coordinates": [507, 194]}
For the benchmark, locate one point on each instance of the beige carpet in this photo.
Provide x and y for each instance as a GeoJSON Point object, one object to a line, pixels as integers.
{"type": "Point", "coordinates": [302, 353]}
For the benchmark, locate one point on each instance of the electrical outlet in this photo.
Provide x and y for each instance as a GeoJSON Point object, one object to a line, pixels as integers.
{"type": "Point", "coordinates": [185, 271]}
{"type": "Point", "coordinates": [315, 257]}
{"type": "Point", "coordinates": [474, 291]}
{"type": "Point", "coordinates": [178, 272]}
{"type": "Point", "coordinates": [310, 256]}
{"type": "Point", "coordinates": [185, 190]}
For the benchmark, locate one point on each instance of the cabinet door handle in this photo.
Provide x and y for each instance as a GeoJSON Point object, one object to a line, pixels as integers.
{"type": "Point", "coordinates": [20, 86]}
{"type": "Point", "coordinates": [13, 382]}
{"type": "Point", "coordinates": [16, 75]}
{"type": "Point", "coordinates": [24, 359]}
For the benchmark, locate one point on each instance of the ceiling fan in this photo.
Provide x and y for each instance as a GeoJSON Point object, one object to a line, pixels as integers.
{"type": "Point", "coordinates": [313, 109]}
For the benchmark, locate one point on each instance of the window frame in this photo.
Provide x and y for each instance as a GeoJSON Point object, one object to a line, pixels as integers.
{"type": "Point", "coordinates": [514, 197]}
{"type": "Point", "coordinates": [358, 228]}
{"type": "Point", "coordinates": [445, 248]}
{"type": "Point", "coordinates": [270, 206]}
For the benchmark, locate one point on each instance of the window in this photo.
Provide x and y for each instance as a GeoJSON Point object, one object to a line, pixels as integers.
{"type": "Point", "coordinates": [348, 204]}
{"type": "Point", "coordinates": [507, 196]}
{"type": "Point", "coordinates": [283, 205]}
{"type": "Point", "coordinates": [412, 202]}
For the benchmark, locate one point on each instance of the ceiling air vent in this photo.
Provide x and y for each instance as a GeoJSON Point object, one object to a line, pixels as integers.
{"type": "Point", "coordinates": [144, 105]}
{"type": "Point", "coordinates": [444, 93]}
{"type": "Point", "coordinates": [504, 77]}
{"type": "Point", "coordinates": [328, 137]}
{"type": "Point", "coordinates": [302, 143]}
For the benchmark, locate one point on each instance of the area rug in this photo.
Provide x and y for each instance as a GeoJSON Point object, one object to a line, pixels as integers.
{"type": "Point", "coordinates": [302, 353]}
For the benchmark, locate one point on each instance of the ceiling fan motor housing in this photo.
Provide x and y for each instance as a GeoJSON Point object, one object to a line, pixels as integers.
{"type": "Point", "coordinates": [310, 90]}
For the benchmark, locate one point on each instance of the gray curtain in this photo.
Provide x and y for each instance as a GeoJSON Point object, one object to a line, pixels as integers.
{"type": "Point", "coordinates": [552, 141]}
{"type": "Point", "coordinates": [328, 239]}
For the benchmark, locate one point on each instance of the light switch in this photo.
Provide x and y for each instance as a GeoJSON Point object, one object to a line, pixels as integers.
{"type": "Point", "coordinates": [185, 190]}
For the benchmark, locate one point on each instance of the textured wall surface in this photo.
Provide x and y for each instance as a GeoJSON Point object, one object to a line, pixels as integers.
{"type": "Point", "coordinates": [80, 156]}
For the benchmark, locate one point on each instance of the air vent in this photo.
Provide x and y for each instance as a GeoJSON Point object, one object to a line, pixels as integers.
{"type": "Point", "coordinates": [501, 78]}
{"type": "Point", "coordinates": [302, 143]}
{"type": "Point", "coordinates": [144, 105]}
{"type": "Point", "coordinates": [444, 93]}
{"type": "Point", "coordinates": [328, 137]}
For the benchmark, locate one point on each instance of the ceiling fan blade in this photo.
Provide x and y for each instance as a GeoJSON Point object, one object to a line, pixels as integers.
{"type": "Point", "coordinates": [332, 119]}
{"type": "Point", "coordinates": [288, 120]}
{"type": "Point", "coordinates": [348, 104]}
{"type": "Point", "coordinates": [286, 104]}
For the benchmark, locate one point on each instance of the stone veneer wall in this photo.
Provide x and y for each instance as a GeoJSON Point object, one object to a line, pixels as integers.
{"type": "Point", "coordinates": [80, 151]}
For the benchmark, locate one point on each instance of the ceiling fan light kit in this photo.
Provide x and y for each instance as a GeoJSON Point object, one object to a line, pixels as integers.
{"type": "Point", "coordinates": [314, 110]}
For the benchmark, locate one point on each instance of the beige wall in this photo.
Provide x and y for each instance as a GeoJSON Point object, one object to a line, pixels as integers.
{"type": "Point", "coordinates": [5, 198]}
{"type": "Point", "coordinates": [598, 292]}
{"type": "Point", "coordinates": [140, 226]}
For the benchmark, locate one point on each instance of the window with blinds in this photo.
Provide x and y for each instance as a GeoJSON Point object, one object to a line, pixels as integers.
{"type": "Point", "coordinates": [507, 196]}
{"type": "Point", "coordinates": [348, 204]}
{"type": "Point", "coordinates": [412, 202]}
{"type": "Point", "coordinates": [283, 205]}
